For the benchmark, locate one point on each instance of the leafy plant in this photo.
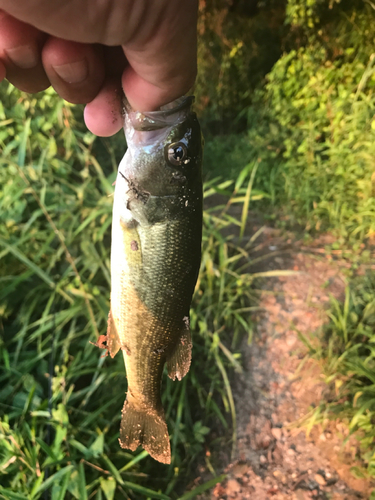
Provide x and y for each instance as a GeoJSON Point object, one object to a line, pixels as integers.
{"type": "Point", "coordinates": [312, 127]}
{"type": "Point", "coordinates": [307, 13]}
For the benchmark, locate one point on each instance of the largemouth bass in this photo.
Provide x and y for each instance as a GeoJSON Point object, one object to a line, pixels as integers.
{"type": "Point", "coordinates": [155, 259]}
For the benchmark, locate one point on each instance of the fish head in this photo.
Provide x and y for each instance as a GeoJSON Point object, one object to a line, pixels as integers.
{"type": "Point", "coordinates": [164, 153]}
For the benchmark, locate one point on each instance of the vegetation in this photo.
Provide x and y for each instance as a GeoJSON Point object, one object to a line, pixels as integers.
{"type": "Point", "coordinates": [292, 101]}
{"type": "Point", "coordinates": [311, 129]}
{"type": "Point", "coordinates": [321, 132]}
{"type": "Point", "coordinates": [311, 124]}
{"type": "Point", "coordinates": [237, 46]}
{"type": "Point", "coordinates": [347, 355]}
{"type": "Point", "coordinates": [60, 399]}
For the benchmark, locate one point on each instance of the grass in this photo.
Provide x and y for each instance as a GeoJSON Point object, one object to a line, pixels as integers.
{"type": "Point", "coordinates": [60, 400]}
{"type": "Point", "coordinates": [346, 353]}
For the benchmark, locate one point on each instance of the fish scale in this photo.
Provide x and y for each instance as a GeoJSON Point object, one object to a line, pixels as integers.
{"type": "Point", "coordinates": [155, 259]}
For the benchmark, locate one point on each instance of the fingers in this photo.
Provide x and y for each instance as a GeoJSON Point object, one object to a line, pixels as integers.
{"type": "Point", "coordinates": [163, 67]}
{"type": "Point", "coordinates": [103, 115]}
{"type": "Point", "coordinates": [76, 71]}
{"type": "Point", "coordinates": [88, 21]}
{"type": "Point", "coordinates": [158, 39]}
{"type": "Point", "coordinates": [143, 95]}
{"type": "Point", "coordinates": [33, 61]}
{"type": "Point", "coordinates": [20, 49]}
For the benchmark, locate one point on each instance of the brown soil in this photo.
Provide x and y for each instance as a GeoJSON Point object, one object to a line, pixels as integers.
{"type": "Point", "coordinates": [275, 457]}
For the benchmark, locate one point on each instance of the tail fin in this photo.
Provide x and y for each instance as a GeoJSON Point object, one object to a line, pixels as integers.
{"type": "Point", "coordinates": [146, 429]}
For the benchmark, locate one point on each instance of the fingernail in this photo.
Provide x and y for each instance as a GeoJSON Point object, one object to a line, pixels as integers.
{"type": "Point", "coordinates": [73, 72]}
{"type": "Point", "coordinates": [24, 57]}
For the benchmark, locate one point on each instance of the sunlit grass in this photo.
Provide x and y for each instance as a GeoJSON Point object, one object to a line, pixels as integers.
{"type": "Point", "coordinates": [347, 357]}
{"type": "Point", "coordinates": [60, 400]}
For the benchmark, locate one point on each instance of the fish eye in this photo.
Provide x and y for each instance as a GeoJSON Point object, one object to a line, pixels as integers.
{"type": "Point", "coordinates": [177, 153]}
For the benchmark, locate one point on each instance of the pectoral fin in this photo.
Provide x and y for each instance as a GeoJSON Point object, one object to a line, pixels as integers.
{"type": "Point", "coordinates": [178, 362]}
{"type": "Point", "coordinates": [113, 340]}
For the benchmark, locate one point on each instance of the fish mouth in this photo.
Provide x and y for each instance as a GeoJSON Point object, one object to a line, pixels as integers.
{"type": "Point", "coordinates": [168, 115]}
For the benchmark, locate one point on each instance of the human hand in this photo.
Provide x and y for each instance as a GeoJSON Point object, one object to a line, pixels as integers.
{"type": "Point", "coordinates": [89, 50]}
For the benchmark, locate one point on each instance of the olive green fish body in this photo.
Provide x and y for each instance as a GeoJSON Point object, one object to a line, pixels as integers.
{"type": "Point", "coordinates": [155, 258]}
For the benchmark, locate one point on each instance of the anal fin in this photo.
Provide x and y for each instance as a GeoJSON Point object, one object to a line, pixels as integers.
{"type": "Point", "coordinates": [178, 362]}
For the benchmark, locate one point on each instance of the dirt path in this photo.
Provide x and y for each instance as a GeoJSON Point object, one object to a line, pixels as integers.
{"type": "Point", "coordinates": [275, 459]}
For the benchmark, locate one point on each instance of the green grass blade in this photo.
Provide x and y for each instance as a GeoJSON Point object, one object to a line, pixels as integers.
{"type": "Point", "coordinates": [145, 491]}
{"type": "Point", "coordinates": [10, 495]}
{"type": "Point", "coordinates": [63, 488]}
{"type": "Point", "coordinates": [113, 470]}
{"type": "Point", "coordinates": [245, 208]}
{"type": "Point", "coordinates": [54, 478]}
{"type": "Point", "coordinates": [134, 461]}
{"type": "Point", "coordinates": [231, 400]}
{"type": "Point", "coordinates": [203, 487]}
{"type": "Point", "coordinates": [82, 482]}
{"type": "Point", "coordinates": [23, 144]}
{"type": "Point", "coordinates": [22, 257]}
{"type": "Point", "coordinates": [276, 273]}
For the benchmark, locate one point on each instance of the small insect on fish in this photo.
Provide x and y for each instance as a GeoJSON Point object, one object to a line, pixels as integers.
{"type": "Point", "coordinates": [155, 259]}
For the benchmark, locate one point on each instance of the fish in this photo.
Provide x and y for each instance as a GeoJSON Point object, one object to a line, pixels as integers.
{"type": "Point", "coordinates": [155, 261]}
